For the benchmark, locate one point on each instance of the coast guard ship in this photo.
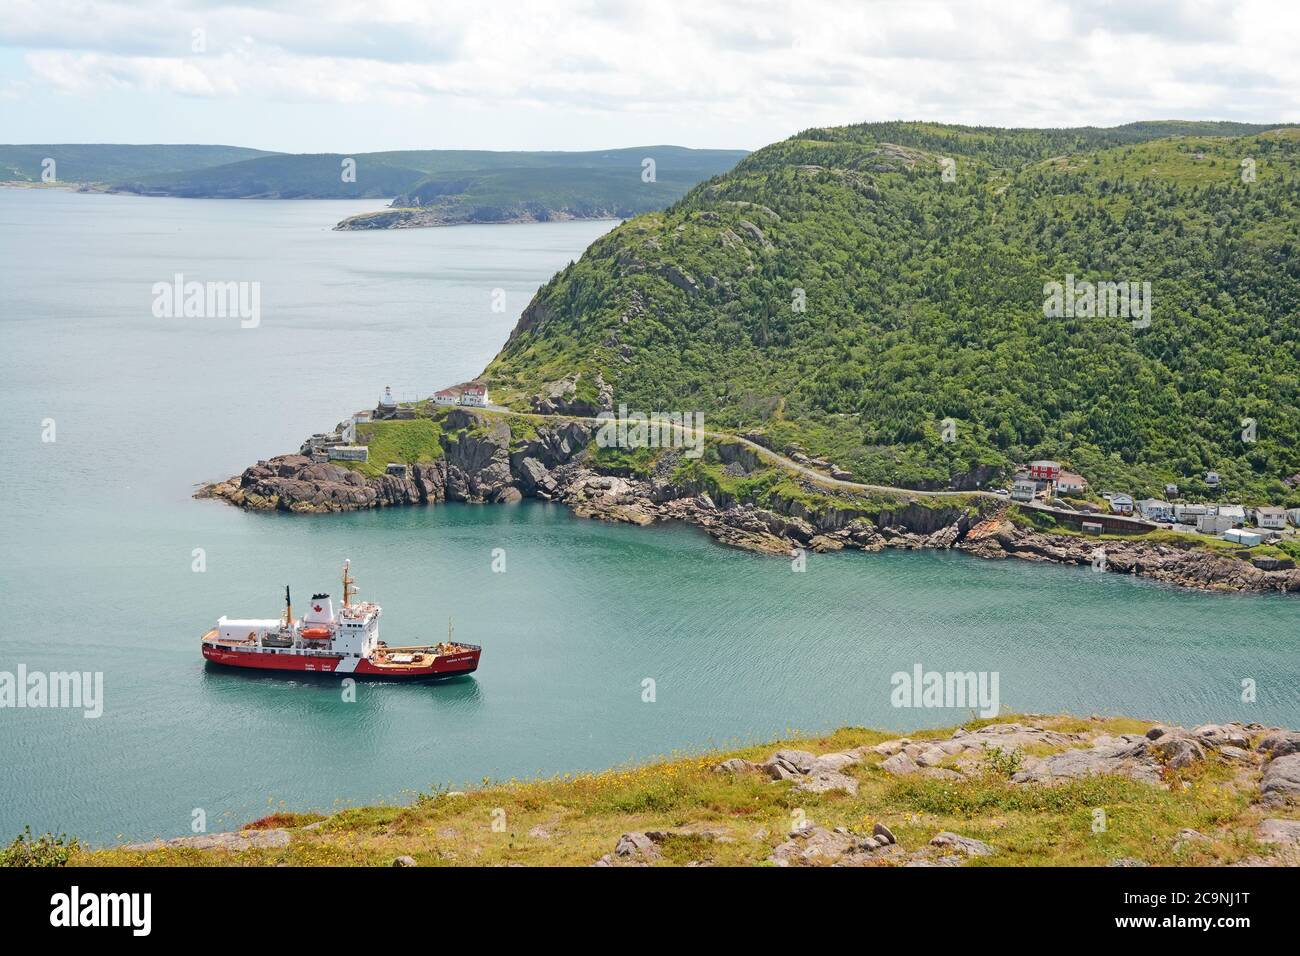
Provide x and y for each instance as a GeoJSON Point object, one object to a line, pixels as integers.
{"type": "Point", "coordinates": [323, 642]}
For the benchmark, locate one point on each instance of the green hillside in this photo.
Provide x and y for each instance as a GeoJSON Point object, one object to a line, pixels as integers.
{"type": "Point", "coordinates": [556, 185]}
{"type": "Point", "coordinates": [472, 185]}
{"type": "Point", "coordinates": [284, 176]}
{"type": "Point", "coordinates": [835, 291]}
{"type": "Point", "coordinates": [110, 163]}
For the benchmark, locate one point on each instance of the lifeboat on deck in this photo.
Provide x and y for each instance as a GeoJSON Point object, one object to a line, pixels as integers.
{"type": "Point", "coordinates": [315, 633]}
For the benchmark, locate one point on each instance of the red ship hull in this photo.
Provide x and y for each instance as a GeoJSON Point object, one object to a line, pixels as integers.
{"type": "Point", "coordinates": [441, 667]}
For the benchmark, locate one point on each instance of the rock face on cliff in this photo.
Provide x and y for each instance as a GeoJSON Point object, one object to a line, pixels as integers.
{"type": "Point", "coordinates": [1186, 567]}
{"type": "Point", "coordinates": [561, 398]}
{"type": "Point", "coordinates": [478, 465]}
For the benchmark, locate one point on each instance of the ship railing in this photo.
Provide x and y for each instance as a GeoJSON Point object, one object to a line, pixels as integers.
{"type": "Point", "coordinates": [389, 649]}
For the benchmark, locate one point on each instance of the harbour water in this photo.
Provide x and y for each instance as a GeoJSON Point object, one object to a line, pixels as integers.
{"type": "Point", "coordinates": [100, 538]}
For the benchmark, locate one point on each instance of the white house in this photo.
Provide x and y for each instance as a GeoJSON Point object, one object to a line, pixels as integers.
{"type": "Point", "coordinates": [1270, 517]}
{"type": "Point", "coordinates": [1121, 504]}
{"type": "Point", "coordinates": [474, 393]}
{"type": "Point", "coordinates": [1234, 513]}
{"type": "Point", "coordinates": [1071, 484]}
{"type": "Point", "coordinates": [447, 396]}
{"type": "Point", "coordinates": [1187, 514]}
{"type": "Point", "coordinates": [1156, 509]}
{"type": "Point", "coordinates": [1023, 489]}
{"type": "Point", "coordinates": [1214, 524]}
{"type": "Point", "coordinates": [1212, 479]}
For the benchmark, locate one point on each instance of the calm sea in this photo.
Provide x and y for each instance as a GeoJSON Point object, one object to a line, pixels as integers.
{"type": "Point", "coordinates": [100, 532]}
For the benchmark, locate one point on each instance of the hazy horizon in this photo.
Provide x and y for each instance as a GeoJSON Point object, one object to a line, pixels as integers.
{"type": "Point", "coordinates": [579, 75]}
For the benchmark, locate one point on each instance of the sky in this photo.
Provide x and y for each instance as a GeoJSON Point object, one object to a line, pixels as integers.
{"type": "Point", "coordinates": [351, 76]}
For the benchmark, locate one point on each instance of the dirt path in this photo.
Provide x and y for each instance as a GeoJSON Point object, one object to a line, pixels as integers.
{"type": "Point", "coordinates": [766, 454]}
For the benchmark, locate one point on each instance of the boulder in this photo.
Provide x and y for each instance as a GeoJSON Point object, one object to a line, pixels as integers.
{"type": "Point", "coordinates": [796, 761]}
{"type": "Point", "coordinates": [1222, 735]}
{"type": "Point", "coordinates": [736, 765]}
{"type": "Point", "coordinates": [899, 765]}
{"type": "Point", "coordinates": [636, 846]}
{"type": "Point", "coordinates": [1286, 832]}
{"type": "Point", "coordinates": [1281, 781]}
{"type": "Point", "coordinates": [833, 761]}
{"type": "Point", "coordinates": [824, 781]}
{"type": "Point", "coordinates": [273, 839]}
{"type": "Point", "coordinates": [1280, 743]}
{"type": "Point", "coordinates": [891, 747]}
{"type": "Point", "coordinates": [1177, 751]}
{"type": "Point", "coordinates": [533, 477]}
{"type": "Point", "coordinates": [966, 846]}
{"type": "Point", "coordinates": [930, 757]}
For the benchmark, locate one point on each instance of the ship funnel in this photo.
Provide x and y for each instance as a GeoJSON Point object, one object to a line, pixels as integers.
{"type": "Point", "coordinates": [320, 610]}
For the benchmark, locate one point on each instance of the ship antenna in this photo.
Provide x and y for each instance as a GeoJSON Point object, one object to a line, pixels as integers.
{"type": "Point", "coordinates": [448, 628]}
{"type": "Point", "coordinates": [347, 583]}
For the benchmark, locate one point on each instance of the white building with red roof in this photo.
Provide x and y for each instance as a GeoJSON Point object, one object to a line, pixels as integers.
{"type": "Point", "coordinates": [474, 393]}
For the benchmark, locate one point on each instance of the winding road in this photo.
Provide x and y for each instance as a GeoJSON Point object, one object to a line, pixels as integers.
{"type": "Point", "coordinates": [765, 453]}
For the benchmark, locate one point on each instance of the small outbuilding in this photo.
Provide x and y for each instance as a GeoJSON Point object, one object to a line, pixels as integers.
{"type": "Point", "coordinates": [1243, 537]}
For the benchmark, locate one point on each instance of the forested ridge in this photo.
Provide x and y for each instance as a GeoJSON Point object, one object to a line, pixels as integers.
{"type": "Point", "coordinates": [838, 290]}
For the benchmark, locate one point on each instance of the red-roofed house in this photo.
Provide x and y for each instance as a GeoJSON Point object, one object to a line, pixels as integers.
{"type": "Point", "coordinates": [474, 393]}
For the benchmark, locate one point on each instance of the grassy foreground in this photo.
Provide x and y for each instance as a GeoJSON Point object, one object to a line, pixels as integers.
{"type": "Point", "coordinates": [577, 819]}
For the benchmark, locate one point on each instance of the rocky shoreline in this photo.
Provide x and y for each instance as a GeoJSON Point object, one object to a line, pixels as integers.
{"type": "Point", "coordinates": [483, 462]}
{"type": "Point", "coordinates": [423, 217]}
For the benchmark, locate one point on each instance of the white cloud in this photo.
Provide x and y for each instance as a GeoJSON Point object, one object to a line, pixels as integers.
{"type": "Point", "coordinates": [770, 67]}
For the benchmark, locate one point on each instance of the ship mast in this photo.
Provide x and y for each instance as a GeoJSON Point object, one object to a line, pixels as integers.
{"type": "Point", "coordinates": [288, 608]}
{"type": "Point", "coordinates": [348, 581]}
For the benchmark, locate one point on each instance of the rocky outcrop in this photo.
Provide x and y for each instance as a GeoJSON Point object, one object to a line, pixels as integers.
{"type": "Point", "coordinates": [273, 839]}
{"type": "Point", "coordinates": [817, 846]}
{"type": "Point", "coordinates": [644, 849]}
{"type": "Point", "coordinates": [1280, 784]}
{"type": "Point", "coordinates": [561, 398]}
{"type": "Point", "coordinates": [1186, 567]}
{"type": "Point", "coordinates": [478, 464]}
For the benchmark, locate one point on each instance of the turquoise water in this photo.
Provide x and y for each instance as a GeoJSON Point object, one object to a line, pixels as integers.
{"type": "Point", "coordinates": [99, 530]}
